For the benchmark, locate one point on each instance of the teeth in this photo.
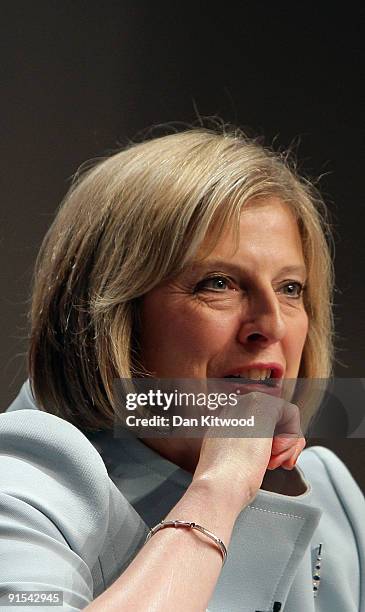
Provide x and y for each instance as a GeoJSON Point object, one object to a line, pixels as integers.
{"type": "Point", "coordinates": [254, 374]}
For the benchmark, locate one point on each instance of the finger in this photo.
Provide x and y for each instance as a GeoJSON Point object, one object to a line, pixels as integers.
{"type": "Point", "coordinates": [283, 443]}
{"type": "Point", "coordinates": [278, 460]}
{"type": "Point", "coordinates": [288, 457]}
{"type": "Point", "coordinates": [290, 463]}
{"type": "Point", "coordinates": [289, 422]}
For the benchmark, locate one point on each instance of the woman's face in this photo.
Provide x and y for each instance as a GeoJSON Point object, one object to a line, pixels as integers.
{"type": "Point", "coordinates": [236, 312]}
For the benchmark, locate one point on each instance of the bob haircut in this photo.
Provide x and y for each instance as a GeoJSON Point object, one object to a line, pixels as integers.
{"type": "Point", "coordinates": [130, 222]}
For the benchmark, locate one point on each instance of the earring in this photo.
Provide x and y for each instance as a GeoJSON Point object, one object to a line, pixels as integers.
{"type": "Point", "coordinates": [317, 572]}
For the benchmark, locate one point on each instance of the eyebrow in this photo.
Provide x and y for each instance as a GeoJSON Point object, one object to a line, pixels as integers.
{"type": "Point", "coordinates": [202, 266]}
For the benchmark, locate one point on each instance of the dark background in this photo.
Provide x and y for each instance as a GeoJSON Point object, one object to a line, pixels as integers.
{"type": "Point", "coordinates": [78, 78]}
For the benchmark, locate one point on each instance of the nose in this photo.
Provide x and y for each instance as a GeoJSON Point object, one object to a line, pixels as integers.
{"type": "Point", "coordinates": [262, 320]}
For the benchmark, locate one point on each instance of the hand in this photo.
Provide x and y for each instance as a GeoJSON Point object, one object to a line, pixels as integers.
{"type": "Point", "coordinates": [236, 466]}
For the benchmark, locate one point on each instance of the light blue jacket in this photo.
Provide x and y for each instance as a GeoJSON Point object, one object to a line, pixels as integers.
{"type": "Point", "coordinates": [74, 512]}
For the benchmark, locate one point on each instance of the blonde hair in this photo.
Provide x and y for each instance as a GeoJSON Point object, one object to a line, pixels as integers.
{"type": "Point", "coordinates": [135, 219]}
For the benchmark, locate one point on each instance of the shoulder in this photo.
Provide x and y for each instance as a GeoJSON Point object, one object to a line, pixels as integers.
{"type": "Point", "coordinates": [50, 470]}
{"type": "Point", "coordinates": [320, 461]}
{"type": "Point", "coordinates": [49, 464]}
{"type": "Point", "coordinates": [335, 490]}
{"type": "Point", "coordinates": [61, 516]}
{"type": "Point", "coordinates": [44, 438]}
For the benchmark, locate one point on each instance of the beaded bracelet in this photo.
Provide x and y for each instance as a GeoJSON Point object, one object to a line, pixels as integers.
{"type": "Point", "coordinates": [209, 534]}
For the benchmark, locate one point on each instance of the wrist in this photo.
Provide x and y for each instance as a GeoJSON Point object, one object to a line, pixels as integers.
{"type": "Point", "coordinates": [204, 504]}
{"type": "Point", "coordinates": [226, 498]}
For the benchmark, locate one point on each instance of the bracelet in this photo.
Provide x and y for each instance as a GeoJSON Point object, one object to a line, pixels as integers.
{"type": "Point", "coordinates": [216, 540]}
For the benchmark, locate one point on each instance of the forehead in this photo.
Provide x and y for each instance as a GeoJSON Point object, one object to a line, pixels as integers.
{"type": "Point", "coordinates": [267, 229]}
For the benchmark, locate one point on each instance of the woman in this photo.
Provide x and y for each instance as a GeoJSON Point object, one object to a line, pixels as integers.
{"type": "Point", "coordinates": [197, 255]}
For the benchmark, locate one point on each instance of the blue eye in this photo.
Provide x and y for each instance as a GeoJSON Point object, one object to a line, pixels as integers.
{"type": "Point", "coordinates": [293, 289]}
{"type": "Point", "coordinates": [214, 283]}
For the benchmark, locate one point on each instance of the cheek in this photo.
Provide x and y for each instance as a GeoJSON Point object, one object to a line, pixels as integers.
{"type": "Point", "coordinates": [189, 333]}
{"type": "Point", "coordinates": [303, 329]}
{"type": "Point", "coordinates": [296, 340]}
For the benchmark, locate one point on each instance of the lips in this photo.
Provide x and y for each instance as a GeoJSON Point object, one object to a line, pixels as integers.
{"type": "Point", "coordinates": [265, 377]}
{"type": "Point", "coordinates": [243, 371]}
